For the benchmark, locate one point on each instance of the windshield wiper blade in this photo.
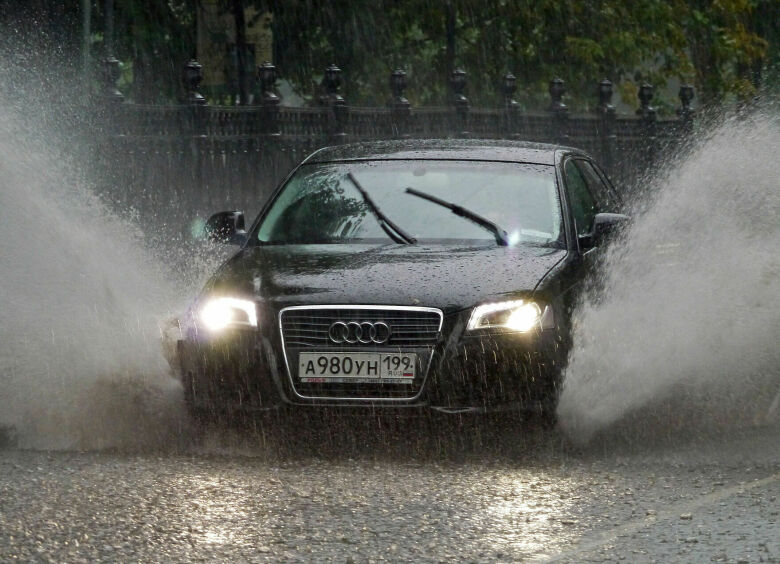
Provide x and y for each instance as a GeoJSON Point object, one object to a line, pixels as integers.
{"type": "Point", "coordinates": [500, 234]}
{"type": "Point", "coordinates": [393, 231]}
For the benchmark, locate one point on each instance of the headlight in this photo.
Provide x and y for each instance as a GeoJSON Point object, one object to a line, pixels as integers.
{"type": "Point", "coordinates": [219, 313]}
{"type": "Point", "coordinates": [514, 315]}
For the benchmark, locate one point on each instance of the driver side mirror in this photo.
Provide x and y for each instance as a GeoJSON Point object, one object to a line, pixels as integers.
{"type": "Point", "coordinates": [605, 226]}
{"type": "Point", "coordinates": [226, 227]}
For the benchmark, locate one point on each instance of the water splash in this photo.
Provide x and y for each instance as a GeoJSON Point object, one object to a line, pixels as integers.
{"type": "Point", "coordinates": [686, 328]}
{"type": "Point", "coordinates": [80, 360]}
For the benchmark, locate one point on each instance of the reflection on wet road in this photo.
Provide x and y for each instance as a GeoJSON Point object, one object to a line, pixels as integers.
{"type": "Point", "coordinates": [493, 495]}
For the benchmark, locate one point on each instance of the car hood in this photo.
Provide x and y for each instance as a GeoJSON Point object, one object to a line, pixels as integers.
{"type": "Point", "coordinates": [447, 277]}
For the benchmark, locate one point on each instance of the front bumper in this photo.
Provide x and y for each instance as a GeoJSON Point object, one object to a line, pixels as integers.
{"type": "Point", "coordinates": [246, 371]}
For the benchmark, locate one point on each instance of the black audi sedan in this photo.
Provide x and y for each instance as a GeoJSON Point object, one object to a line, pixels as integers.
{"type": "Point", "coordinates": [400, 275]}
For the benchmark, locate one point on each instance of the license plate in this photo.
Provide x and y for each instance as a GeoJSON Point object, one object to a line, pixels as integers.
{"type": "Point", "coordinates": [357, 368]}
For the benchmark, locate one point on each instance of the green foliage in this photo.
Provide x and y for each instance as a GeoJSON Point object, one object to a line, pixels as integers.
{"type": "Point", "coordinates": [152, 39]}
{"type": "Point", "coordinates": [709, 41]}
{"type": "Point", "coordinates": [726, 47]}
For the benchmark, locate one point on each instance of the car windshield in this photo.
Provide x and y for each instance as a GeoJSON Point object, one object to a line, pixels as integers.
{"type": "Point", "coordinates": [321, 205]}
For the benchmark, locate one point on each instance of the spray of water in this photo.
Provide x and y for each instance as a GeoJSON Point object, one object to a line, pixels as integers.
{"type": "Point", "coordinates": [80, 359]}
{"type": "Point", "coordinates": [685, 329]}
{"type": "Point", "coordinates": [690, 307]}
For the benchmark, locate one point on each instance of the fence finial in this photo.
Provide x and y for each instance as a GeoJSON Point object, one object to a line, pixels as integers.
{"type": "Point", "coordinates": [650, 148]}
{"type": "Point", "coordinates": [685, 111]}
{"type": "Point", "coordinates": [646, 93]}
{"type": "Point", "coordinates": [458, 85]}
{"type": "Point", "coordinates": [266, 75]}
{"type": "Point", "coordinates": [111, 69]}
{"type": "Point", "coordinates": [511, 107]}
{"type": "Point", "coordinates": [605, 97]}
{"type": "Point", "coordinates": [193, 76]}
{"type": "Point", "coordinates": [509, 87]}
{"type": "Point", "coordinates": [557, 90]}
{"type": "Point", "coordinates": [606, 123]}
{"type": "Point", "coordinates": [398, 85]}
{"type": "Point", "coordinates": [400, 107]}
{"type": "Point", "coordinates": [559, 110]}
{"type": "Point", "coordinates": [331, 81]}
{"type": "Point", "coordinates": [459, 100]}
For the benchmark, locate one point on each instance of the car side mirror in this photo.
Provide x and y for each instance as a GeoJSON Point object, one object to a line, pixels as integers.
{"type": "Point", "coordinates": [605, 226]}
{"type": "Point", "coordinates": [226, 227]}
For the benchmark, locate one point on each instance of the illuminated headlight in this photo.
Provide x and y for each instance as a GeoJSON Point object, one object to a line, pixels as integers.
{"type": "Point", "coordinates": [515, 315]}
{"type": "Point", "coordinates": [219, 313]}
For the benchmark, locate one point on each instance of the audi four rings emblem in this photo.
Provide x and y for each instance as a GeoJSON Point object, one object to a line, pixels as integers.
{"type": "Point", "coordinates": [365, 332]}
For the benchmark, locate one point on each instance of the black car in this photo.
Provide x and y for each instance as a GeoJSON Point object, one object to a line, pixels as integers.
{"type": "Point", "coordinates": [406, 275]}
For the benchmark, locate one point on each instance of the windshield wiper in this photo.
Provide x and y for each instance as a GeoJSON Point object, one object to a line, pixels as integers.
{"type": "Point", "coordinates": [498, 233]}
{"type": "Point", "coordinates": [393, 231]}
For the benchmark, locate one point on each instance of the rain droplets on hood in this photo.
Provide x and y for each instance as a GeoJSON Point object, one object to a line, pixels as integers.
{"type": "Point", "coordinates": [686, 326]}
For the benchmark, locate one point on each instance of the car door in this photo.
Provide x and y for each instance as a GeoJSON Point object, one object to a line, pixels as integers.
{"type": "Point", "coordinates": [589, 193]}
{"type": "Point", "coordinates": [607, 199]}
{"type": "Point", "coordinates": [584, 206]}
{"type": "Point", "coordinates": [587, 196]}
{"type": "Point", "coordinates": [582, 210]}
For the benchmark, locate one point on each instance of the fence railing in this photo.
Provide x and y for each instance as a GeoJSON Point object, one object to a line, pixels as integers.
{"type": "Point", "coordinates": [211, 157]}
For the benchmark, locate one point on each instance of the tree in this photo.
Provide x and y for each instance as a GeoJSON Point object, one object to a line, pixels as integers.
{"type": "Point", "coordinates": [153, 40]}
{"type": "Point", "coordinates": [709, 41]}
{"type": "Point", "coordinates": [726, 47]}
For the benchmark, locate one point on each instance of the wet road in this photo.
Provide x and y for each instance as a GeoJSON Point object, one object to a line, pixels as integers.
{"type": "Point", "coordinates": [344, 494]}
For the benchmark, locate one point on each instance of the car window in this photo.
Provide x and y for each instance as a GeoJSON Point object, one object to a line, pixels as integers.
{"type": "Point", "coordinates": [605, 201]}
{"type": "Point", "coordinates": [320, 204]}
{"type": "Point", "coordinates": [583, 205]}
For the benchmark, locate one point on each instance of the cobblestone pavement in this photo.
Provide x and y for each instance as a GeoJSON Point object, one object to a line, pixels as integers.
{"type": "Point", "coordinates": [470, 492]}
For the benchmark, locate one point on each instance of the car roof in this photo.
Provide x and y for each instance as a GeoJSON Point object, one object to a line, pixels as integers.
{"type": "Point", "coordinates": [444, 149]}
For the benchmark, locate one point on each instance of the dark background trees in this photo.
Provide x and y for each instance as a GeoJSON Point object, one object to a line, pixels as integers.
{"type": "Point", "coordinates": [727, 48]}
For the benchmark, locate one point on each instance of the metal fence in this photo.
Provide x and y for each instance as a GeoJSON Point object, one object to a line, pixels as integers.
{"type": "Point", "coordinates": [194, 158]}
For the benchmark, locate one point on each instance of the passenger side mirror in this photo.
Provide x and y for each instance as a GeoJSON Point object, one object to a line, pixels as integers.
{"type": "Point", "coordinates": [226, 227]}
{"type": "Point", "coordinates": [605, 226]}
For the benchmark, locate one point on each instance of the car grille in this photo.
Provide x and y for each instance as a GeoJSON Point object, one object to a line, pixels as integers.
{"type": "Point", "coordinates": [309, 327]}
{"type": "Point", "coordinates": [413, 329]}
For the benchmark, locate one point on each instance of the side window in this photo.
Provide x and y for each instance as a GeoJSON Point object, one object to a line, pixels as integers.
{"type": "Point", "coordinates": [583, 205]}
{"type": "Point", "coordinates": [604, 198]}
